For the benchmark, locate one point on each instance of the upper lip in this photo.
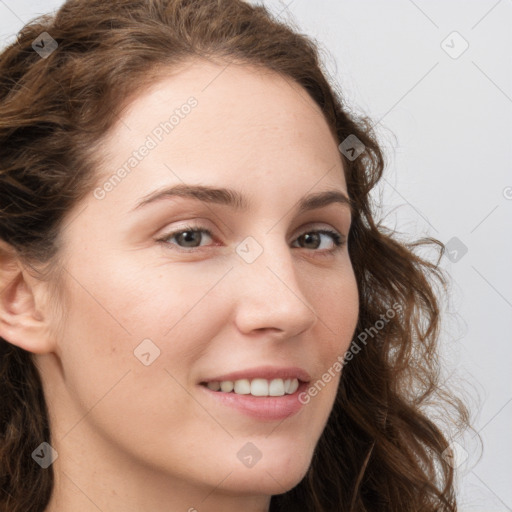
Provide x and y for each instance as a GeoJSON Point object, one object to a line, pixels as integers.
{"type": "Point", "coordinates": [264, 372]}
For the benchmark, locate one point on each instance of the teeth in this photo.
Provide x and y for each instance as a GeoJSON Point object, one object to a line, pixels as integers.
{"type": "Point", "coordinates": [256, 387]}
{"type": "Point", "coordinates": [276, 387]}
{"type": "Point", "coordinates": [294, 384]}
{"type": "Point", "coordinates": [225, 386]}
{"type": "Point", "coordinates": [214, 386]}
{"type": "Point", "coordinates": [242, 387]}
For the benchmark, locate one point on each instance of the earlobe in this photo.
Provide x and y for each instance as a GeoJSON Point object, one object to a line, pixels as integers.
{"type": "Point", "coordinates": [22, 322]}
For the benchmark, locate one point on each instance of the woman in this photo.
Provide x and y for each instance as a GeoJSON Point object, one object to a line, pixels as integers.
{"type": "Point", "coordinates": [198, 309]}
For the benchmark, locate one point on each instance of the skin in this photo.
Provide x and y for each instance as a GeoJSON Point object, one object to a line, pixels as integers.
{"type": "Point", "coordinates": [132, 437]}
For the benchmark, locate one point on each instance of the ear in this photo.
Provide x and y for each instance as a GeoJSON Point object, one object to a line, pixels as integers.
{"type": "Point", "coordinates": [22, 322]}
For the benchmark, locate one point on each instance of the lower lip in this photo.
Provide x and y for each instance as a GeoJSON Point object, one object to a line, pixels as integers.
{"type": "Point", "coordinates": [263, 408]}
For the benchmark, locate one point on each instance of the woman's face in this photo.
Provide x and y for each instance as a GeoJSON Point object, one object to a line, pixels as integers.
{"type": "Point", "coordinates": [150, 316]}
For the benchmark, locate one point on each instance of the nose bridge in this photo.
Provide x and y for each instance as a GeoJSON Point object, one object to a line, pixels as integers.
{"type": "Point", "coordinates": [270, 294]}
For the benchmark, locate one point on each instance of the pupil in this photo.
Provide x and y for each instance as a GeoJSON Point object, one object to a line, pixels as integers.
{"type": "Point", "coordinates": [309, 237]}
{"type": "Point", "coordinates": [188, 237]}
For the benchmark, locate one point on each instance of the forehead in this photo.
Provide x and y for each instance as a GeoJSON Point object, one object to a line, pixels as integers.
{"type": "Point", "coordinates": [229, 88]}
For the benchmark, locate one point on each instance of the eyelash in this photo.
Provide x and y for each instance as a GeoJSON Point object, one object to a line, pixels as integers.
{"type": "Point", "coordinates": [338, 239]}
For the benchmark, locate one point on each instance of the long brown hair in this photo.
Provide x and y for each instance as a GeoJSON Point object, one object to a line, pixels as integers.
{"type": "Point", "coordinates": [379, 450]}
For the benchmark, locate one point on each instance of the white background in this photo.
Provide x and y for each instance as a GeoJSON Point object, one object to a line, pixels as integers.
{"type": "Point", "coordinates": [446, 124]}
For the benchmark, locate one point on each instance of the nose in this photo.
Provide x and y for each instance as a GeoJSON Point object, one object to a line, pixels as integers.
{"type": "Point", "coordinates": [270, 295]}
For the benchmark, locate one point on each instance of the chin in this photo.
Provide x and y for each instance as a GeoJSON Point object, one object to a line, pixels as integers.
{"type": "Point", "coordinates": [277, 475]}
{"type": "Point", "coordinates": [264, 483]}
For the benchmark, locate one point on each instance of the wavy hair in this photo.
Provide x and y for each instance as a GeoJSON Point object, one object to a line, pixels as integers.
{"type": "Point", "coordinates": [380, 450]}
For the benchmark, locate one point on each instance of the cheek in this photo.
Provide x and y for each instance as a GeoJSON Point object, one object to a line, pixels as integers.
{"type": "Point", "coordinates": [125, 323]}
{"type": "Point", "coordinates": [336, 303]}
{"type": "Point", "coordinates": [146, 320]}
{"type": "Point", "coordinates": [135, 402]}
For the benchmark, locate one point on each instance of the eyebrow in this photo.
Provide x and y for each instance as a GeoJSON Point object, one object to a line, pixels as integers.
{"type": "Point", "coordinates": [237, 201]}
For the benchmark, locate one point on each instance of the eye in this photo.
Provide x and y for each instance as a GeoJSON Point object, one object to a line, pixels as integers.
{"type": "Point", "coordinates": [313, 238]}
{"type": "Point", "coordinates": [190, 237]}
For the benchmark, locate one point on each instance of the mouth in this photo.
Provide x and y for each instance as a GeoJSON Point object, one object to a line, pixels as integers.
{"type": "Point", "coordinates": [257, 387]}
{"type": "Point", "coordinates": [252, 398]}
